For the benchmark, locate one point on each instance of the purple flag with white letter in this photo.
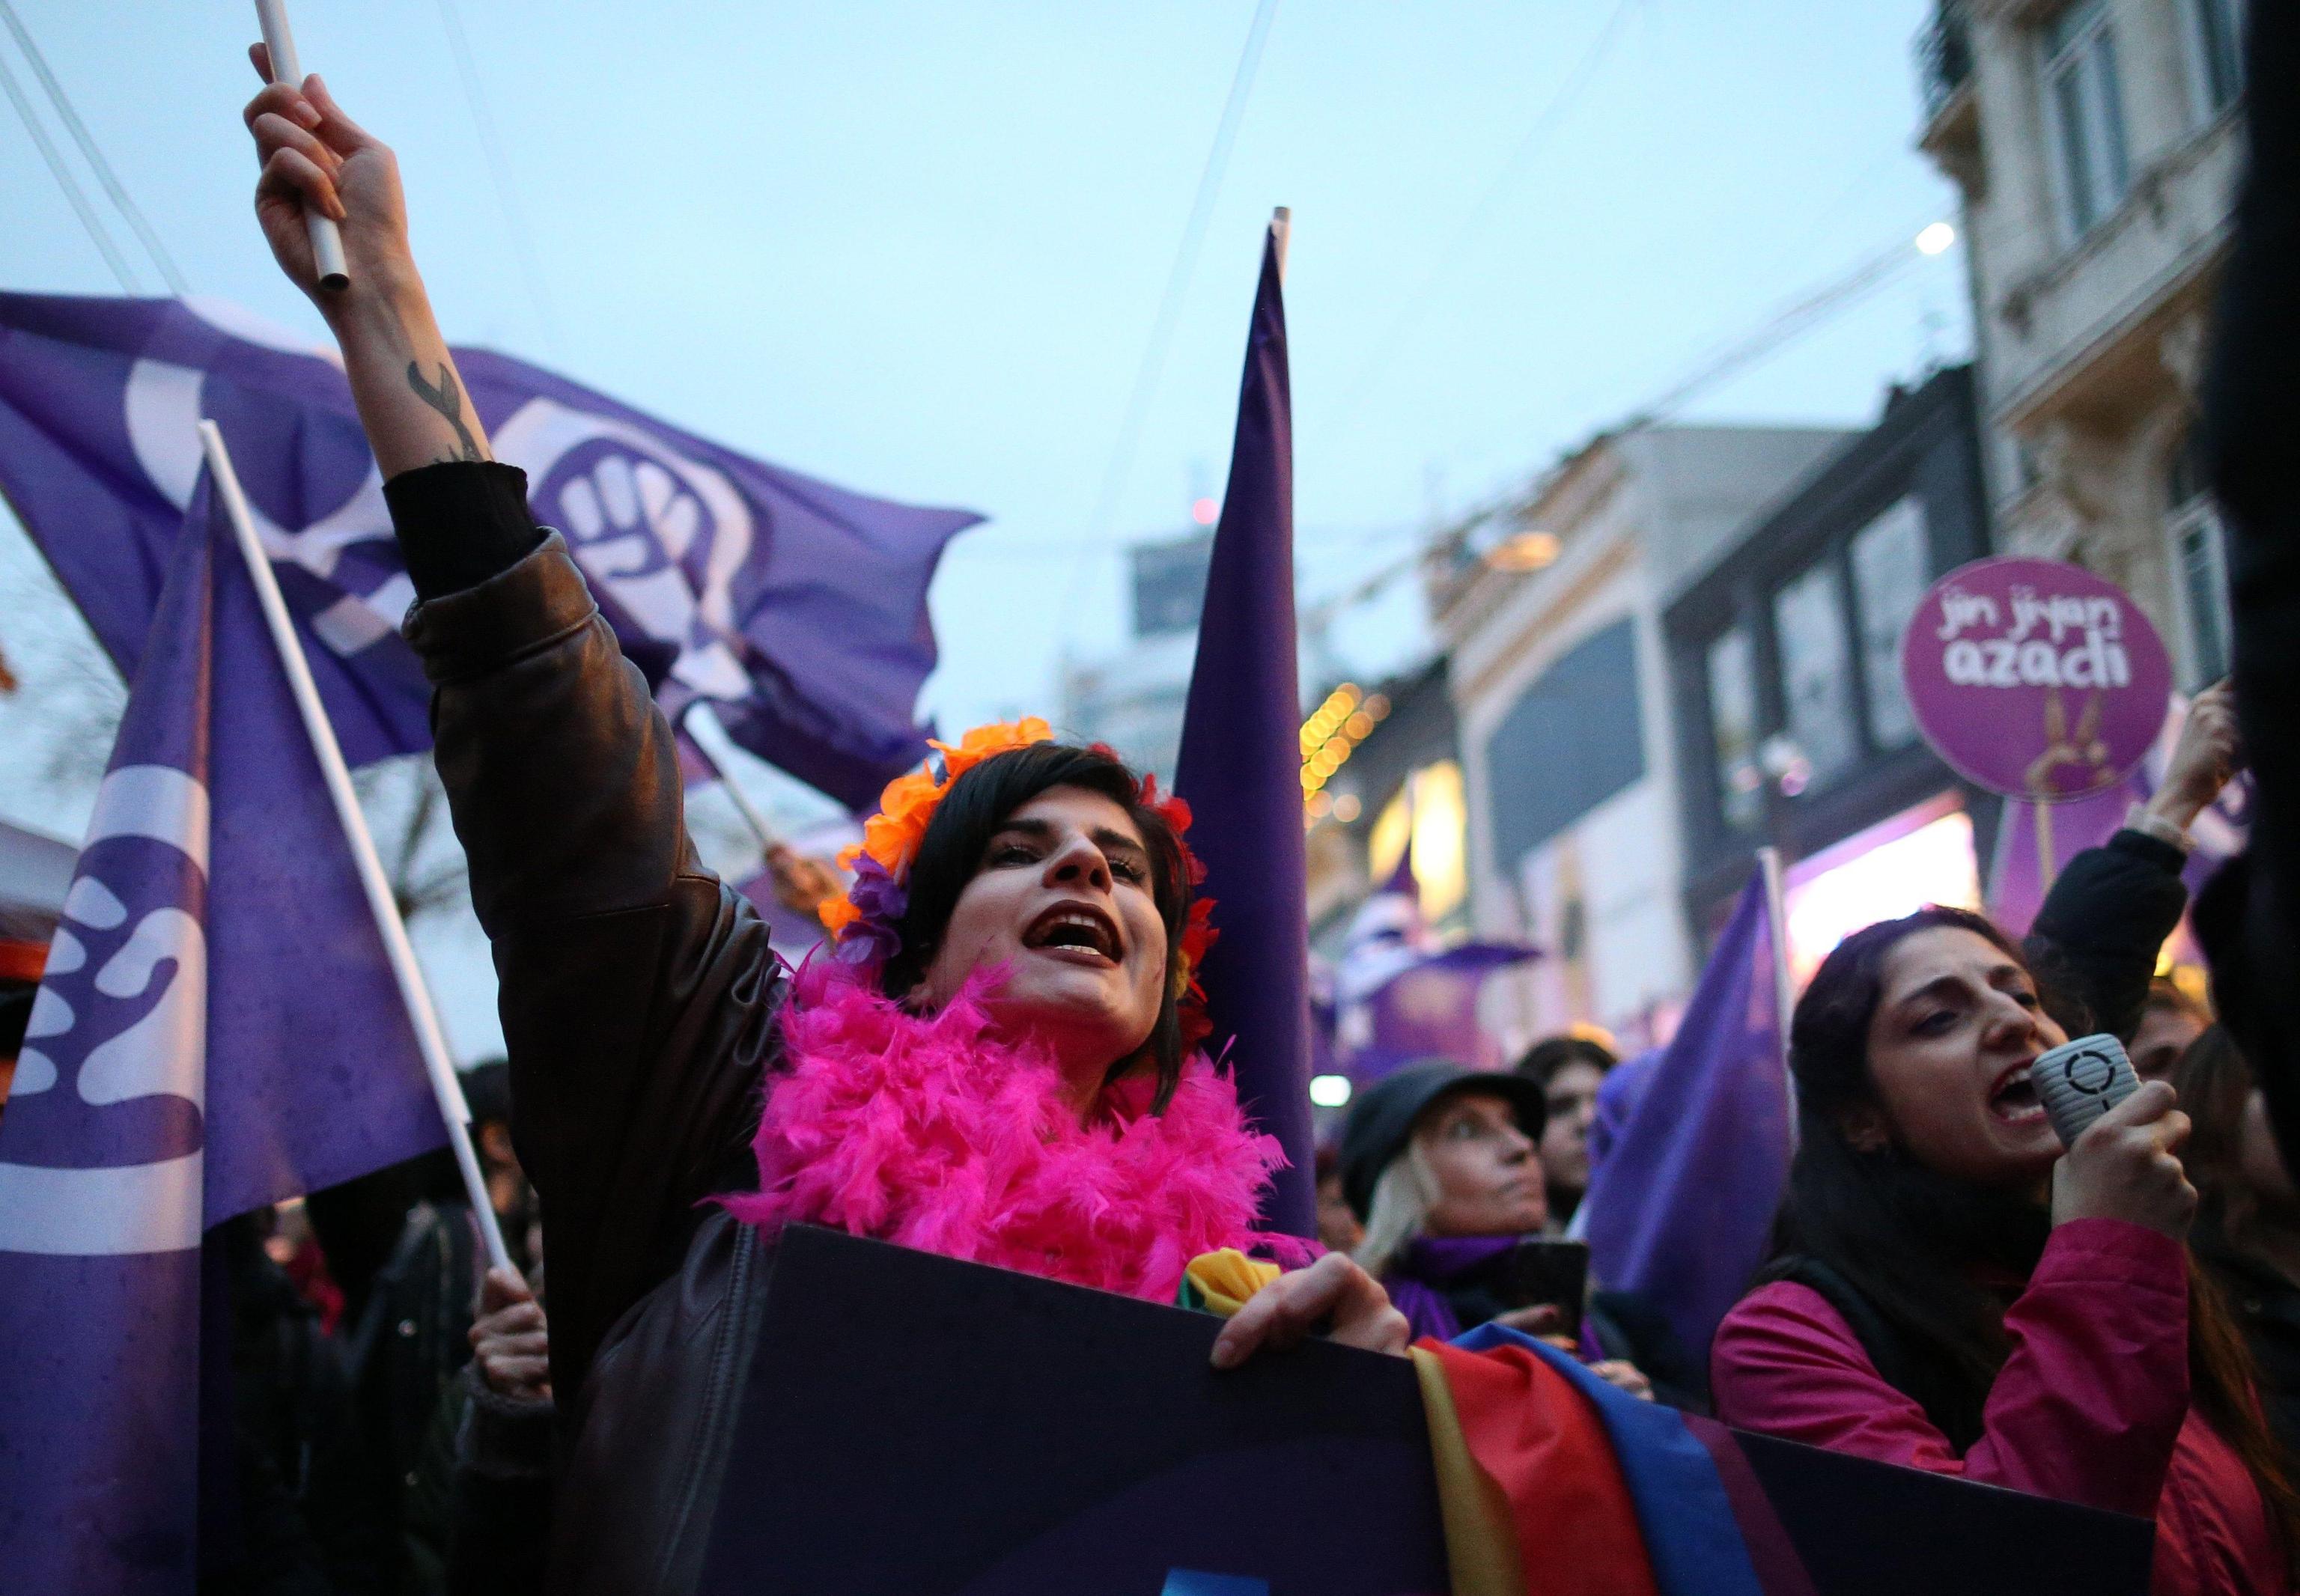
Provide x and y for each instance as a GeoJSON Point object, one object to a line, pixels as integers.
{"type": "Point", "coordinates": [798, 608]}
{"type": "Point", "coordinates": [1241, 769]}
{"type": "Point", "coordinates": [218, 1028]}
{"type": "Point", "coordinates": [1682, 1205]}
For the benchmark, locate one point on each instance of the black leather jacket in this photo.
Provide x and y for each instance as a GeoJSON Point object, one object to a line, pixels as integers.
{"type": "Point", "coordinates": [639, 1000]}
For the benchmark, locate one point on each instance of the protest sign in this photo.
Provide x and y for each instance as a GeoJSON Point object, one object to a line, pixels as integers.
{"type": "Point", "coordinates": [914, 1425]}
{"type": "Point", "coordinates": [2035, 678]}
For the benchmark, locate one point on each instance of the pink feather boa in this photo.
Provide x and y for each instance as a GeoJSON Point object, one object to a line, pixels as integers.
{"type": "Point", "coordinates": [941, 1133]}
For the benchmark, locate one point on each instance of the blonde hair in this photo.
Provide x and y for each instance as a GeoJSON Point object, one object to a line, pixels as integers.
{"type": "Point", "coordinates": [1403, 1198]}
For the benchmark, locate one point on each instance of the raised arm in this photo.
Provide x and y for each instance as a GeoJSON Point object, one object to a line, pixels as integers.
{"type": "Point", "coordinates": [2098, 934]}
{"type": "Point", "coordinates": [637, 991]}
{"type": "Point", "coordinates": [411, 399]}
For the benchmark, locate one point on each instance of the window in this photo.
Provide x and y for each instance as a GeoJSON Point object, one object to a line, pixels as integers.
{"type": "Point", "coordinates": [2086, 111]}
{"type": "Point", "coordinates": [1890, 565]}
{"type": "Point", "coordinates": [1733, 728]}
{"type": "Point", "coordinates": [1572, 740]}
{"type": "Point", "coordinates": [1817, 674]}
{"type": "Point", "coordinates": [2203, 596]}
{"type": "Point", "coordinates": [2216, 27]}
{"type": "Point", "coordinates": [2199, 552]}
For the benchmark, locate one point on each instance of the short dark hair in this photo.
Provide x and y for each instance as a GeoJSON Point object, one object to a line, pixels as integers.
{"type": "Point", "coordinates": [1551, 1054]}
{"type": "Point", "coordinates": [969, 815]}
{"type": "Point", "coordinates": [486, 1091]}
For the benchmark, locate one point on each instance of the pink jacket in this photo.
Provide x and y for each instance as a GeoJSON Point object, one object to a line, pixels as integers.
{"type": "Point", "coordinates": [2091, 1407]}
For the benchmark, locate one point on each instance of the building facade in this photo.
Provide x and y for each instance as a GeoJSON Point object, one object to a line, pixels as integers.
{"type": "Point", "coordinates": [2096, 146]}
{"type": "Point", "coordinates": [1785, 658]}
{"type": "Point", "coordinates": [1550, 607]}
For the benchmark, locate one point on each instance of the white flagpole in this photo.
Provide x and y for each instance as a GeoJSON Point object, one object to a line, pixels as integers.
{"type": "Point", "coordinates": [433, 1045]}
{"type": "Point", "coordinates": [1777, 938]}
{"type": "Point", "coordinates": [752, 817]}
{"type": "Point", "coordinates": [327, 238]}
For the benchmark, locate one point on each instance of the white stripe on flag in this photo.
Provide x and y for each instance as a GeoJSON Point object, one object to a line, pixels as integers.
{"type": "Point", "coordinates": [93, 1213]}
{"type": "Point", "coordinates": [352, 623]}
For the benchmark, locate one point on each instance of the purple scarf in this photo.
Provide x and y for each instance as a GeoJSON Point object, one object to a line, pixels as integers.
{"type": "Point", "coordinates": [1417, 1281]}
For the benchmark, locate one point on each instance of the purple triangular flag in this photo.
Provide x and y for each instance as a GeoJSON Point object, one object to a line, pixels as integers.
{"type": "Point", "coordinates": [1241, 769]}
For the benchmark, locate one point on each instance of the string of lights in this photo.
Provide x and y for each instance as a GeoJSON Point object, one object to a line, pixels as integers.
{"type": "Point", "coordinates": [1329, 736]}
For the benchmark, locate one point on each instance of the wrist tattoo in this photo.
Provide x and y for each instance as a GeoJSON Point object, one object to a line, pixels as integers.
{"type": "Point", "coordinates": [447, 399]}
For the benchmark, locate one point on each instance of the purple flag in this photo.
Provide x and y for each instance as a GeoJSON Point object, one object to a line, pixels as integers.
{"type": "Point", "coordinates": [1402, 996]}
{"type": "Point", "coordinates": [1681, 1206]}
{"type": "Point", "coordinates": [2018, 879]}
{"type": "Point", "coordinates": [1241, 767]}
{"type": "Point", "coordinates": [796, 933]}
{"type": "Point", "coordinates": [798, 608]}
{"type": "Point", "coordinates": [218, 1028]}
{"type": "Point", "coordinates": [1623, 1088]}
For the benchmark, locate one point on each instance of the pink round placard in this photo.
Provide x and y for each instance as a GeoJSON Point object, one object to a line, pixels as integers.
{"type": "Point", "coordinates": [2035, 678]}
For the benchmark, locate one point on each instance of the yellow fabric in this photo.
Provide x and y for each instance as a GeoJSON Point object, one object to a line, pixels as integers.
{"type": "Point", "coordinates": [1227, 1278]}
{"type": "Point", "coordinates": [1480, 1545]}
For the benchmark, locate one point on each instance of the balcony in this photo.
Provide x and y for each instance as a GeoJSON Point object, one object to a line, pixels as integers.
{"type": "Point", "coordinates": [1952, 129]}
{"type": "Point", "coordinates": [1945, 57]}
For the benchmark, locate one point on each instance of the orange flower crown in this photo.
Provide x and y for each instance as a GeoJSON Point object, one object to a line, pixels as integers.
{"type": "Point", "coordinates": [861, 919]}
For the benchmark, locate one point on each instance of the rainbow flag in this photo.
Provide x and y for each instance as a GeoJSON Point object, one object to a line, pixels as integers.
{"type": "Point", "coordinates": [1553, 1480]}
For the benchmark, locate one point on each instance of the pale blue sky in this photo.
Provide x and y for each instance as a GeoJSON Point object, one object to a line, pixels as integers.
{"type": "Point", "coordinates": [918, 249]}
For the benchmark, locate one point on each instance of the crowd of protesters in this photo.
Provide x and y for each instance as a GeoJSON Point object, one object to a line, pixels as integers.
{"type": "Point", "coordinates": [2115, 1324]}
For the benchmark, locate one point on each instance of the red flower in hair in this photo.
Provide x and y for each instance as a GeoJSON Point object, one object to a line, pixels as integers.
{"type": "Point", "coordinates": [1198, 933]}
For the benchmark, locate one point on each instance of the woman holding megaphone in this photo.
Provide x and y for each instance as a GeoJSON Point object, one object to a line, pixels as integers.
{"type": "Point", "coordinates": [1955, 1292]}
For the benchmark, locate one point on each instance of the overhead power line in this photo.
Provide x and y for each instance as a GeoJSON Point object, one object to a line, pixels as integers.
{"type": "Point", "coordinates": [1779, 328]}
{"type": "Point", "coordinates": [523, 240]}
{"type": "Point", "coordinates": [88, 219]}
{"type": "Point", "coordinates": [1178, 277]}
{"type": "Point", "coordinates": [1464, 240]}
{"type": "Point", "coordinates": [158, 252]}
{"type": "Point", "coordinates": [1791, 321]}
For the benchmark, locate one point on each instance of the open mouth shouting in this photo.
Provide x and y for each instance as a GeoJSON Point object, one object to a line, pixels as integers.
{"type": "Point", "coordinates": [1077, 933]}
{"type": "Point", "coordinates": [2014, 1099]}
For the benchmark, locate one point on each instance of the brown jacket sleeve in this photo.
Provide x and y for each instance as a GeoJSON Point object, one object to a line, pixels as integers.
{"type": "Point", "coordinates": [637, 992]}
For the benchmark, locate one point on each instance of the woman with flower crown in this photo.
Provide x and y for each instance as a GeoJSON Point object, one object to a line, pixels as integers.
{"type": "Point", "coordinates": [997, 1063]}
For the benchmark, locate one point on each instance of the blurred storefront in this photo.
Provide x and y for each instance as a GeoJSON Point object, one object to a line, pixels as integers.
{"type": "Point", "coordinates": [1793, 726]}
{"type": "Point", "coordinates": [1396, 757]}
